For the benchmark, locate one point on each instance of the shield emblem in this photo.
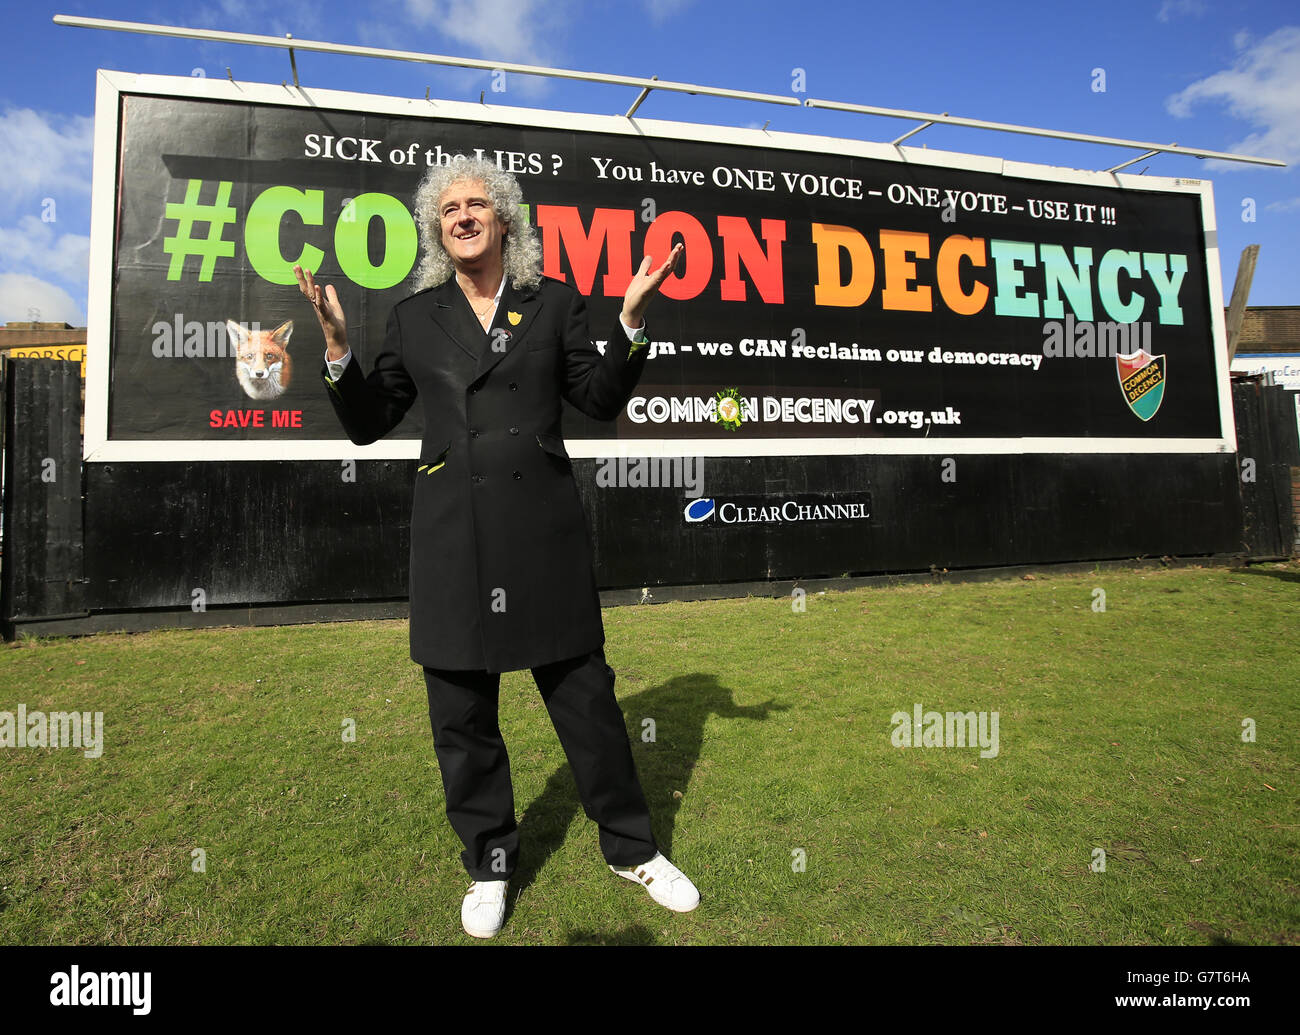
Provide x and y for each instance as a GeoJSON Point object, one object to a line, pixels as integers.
{"type": "Point", "coordinates": [1142, 381]}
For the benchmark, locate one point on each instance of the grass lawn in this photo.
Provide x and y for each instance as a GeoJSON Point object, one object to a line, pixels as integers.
{"type": "Point", "coordinates": [772, 776]}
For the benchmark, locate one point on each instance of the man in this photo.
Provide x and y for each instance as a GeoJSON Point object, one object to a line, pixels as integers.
{"type": "Point", "coordinates": [501, 573]}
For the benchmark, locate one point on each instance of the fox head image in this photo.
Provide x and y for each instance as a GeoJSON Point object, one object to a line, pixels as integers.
{"type": "Point", "coordinates": [262, 362]}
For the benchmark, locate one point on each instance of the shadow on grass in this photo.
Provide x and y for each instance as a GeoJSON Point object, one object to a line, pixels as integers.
{"type": "Point", "coordinates": [679, 709]}
{"type": "Point", "coordinates": [633, 935]}
{"type": "Point", "coordinates": [1284, 575]}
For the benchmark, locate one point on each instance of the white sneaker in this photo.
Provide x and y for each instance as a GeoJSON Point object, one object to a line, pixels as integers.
{"type": "Point", "coordinates": [484, 908]}
{"type": "Point", "coordinates": [666, 883]}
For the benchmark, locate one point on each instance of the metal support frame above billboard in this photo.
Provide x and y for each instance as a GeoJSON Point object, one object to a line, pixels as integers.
{"type": "Point", "coordinates": [291, 44]}
{"type": "Point", "coordinates": [1036, 131]}
{"type": "Point", "coordinates": [646, 85]}
{"type": "Point", "coordinates": [1132, 161]}
{"type": "Point", "coordinates": [912, 132]}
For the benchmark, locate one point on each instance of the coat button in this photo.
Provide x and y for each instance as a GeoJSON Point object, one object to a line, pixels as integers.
{"type": "Point", "coordinates": [478, 478]}
{"type": "Point", "coordinates": [473, 432]}
{"type": "Point", "coordinates": [517, 476]}
{"type": "Point", "coordinates": [514, 431]}
{"type": "Point", "coordinates": [513, 387]}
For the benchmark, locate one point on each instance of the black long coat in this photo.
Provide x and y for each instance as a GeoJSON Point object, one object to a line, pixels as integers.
{"type": "Point", "coordinates": [501, 568]}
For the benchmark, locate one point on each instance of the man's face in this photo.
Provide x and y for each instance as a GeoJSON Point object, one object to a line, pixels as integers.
{"type": "Point", "coordinates": [471, 232]}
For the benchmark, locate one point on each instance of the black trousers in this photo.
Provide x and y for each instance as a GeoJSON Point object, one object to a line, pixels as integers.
{"type": "Point", "coordinates": [579, 695]}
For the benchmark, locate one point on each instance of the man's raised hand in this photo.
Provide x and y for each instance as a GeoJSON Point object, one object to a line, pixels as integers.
{"type": "Point", "coordinates": [645, 285]}
{"type": "Point", "coordinates": [328, 311]}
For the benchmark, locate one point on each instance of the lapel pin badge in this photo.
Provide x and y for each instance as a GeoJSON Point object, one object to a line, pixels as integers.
{"type": "Point", "coordinates": [514, 318]}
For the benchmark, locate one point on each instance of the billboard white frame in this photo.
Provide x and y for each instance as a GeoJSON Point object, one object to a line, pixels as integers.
{"type": "Point", "coordinates": [110, 85]}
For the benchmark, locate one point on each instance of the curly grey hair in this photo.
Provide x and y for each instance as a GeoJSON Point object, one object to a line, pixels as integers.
{"type": "Point", "coordinates": [521, 254]}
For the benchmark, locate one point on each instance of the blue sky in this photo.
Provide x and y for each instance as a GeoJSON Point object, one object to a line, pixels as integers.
{"type": "Point", "coordinates": [1220, 76]}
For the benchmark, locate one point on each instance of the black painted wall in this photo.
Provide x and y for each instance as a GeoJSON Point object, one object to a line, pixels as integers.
{"type": "Point", "coordinates": [249, 533]}
{"type": "Point", "coordinates": [41, 573]}
{"type": "Point", "coordinates": [272, 533]}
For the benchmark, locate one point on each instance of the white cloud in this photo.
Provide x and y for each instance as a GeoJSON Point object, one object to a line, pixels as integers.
{"type": "Point", "coordinates": [44, 156]}
{"type": "Point", "coordinates": [1290, 205]}
{"type": "Point", "coordinates": [512, 30]}
{"type": "Point", "coordinates": [34, 246]}
{"type": "Point", "coordinates": [1262, 88]}
{"type": "Point", "coordinates": [20, 293]}
{"type": "Point", "coordinates": [662, 10]}
{"type": "Point", "coordinates": [265, 17]}
{"type": "Point", "coordinates": [530, 32]}
{"type": "Point", "coordinates": [1171, 9]}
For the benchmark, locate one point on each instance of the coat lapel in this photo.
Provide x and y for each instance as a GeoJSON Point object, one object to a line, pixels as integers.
{"type": "Point", "coordinates": [513, 317]}
{"type": "Point", "coordinates": [452, 313]}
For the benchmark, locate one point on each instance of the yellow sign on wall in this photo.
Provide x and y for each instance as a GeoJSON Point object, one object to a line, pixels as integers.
{"type": "Point", "coordinates": [75, 353]}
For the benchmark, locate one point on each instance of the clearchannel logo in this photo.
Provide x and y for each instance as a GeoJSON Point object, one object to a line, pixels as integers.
{"type": "Point", "coordinates": [755, 510]}
{"type": "Point", "coordinates": [700, 510]}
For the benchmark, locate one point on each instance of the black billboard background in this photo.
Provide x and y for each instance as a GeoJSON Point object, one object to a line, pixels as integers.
{"type": "Point", "coordinates": [166, 142]}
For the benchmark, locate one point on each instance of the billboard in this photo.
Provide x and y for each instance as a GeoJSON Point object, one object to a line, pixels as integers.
{"type": "Point", "coordinates": [835, 297]}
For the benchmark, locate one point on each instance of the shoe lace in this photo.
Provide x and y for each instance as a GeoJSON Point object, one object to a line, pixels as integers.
{"type": "Point", "coordinates": [488, 890]}
{"type": "Point", "coordinates": [660, 869]}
